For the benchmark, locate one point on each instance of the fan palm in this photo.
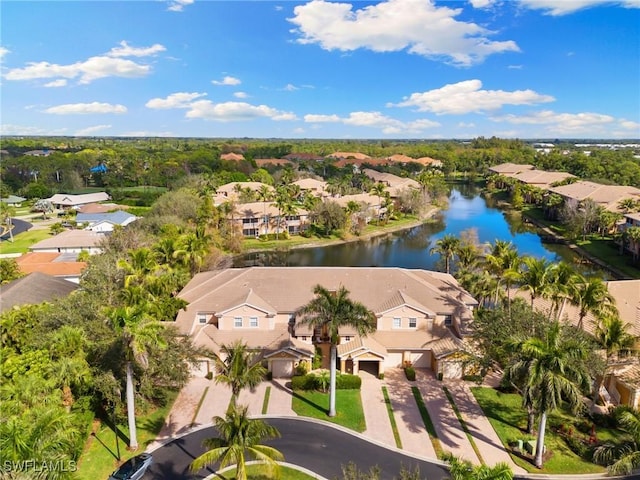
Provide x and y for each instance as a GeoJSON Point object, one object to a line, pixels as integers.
{"type": "Point", "coordinates": [239, 438]}
{"type": "Point", "coordinates": [332, 310]}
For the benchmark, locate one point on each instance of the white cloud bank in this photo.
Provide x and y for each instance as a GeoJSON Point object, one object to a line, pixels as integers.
{"type": "Point", "coordinates": [573, 123]}
{"type": "Point", "coordinates": [418, 26]}
{"type": "Point", "coordinates": [87, 131]}
{"type": "Point", "coordinates": [86, 109]}
{"type": "Point", "coordinates": [178, 5]}
{"type": "Point", "coordinates": [228, 80]}
{"type": "Point", "coordinates": [565, 7]}
{"type": "Point", "coordinates": [221, 112]}
{"type": "Point", "coordinates": [387, 125]}
{"type": "Point", "coordinates": [467, 97]}
{"type": "Point", "coordinates": [111, 64]}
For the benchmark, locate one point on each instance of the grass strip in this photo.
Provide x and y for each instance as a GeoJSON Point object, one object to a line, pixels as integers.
{"type": "Point", "coordinates": [265, 402]}
{"type": "Point", "coordinates": [195, 415]}
{"type": "Point", "coordinates": [428, 424]}
{"type": "Point", "coordinates": [465, 427]}
{"type": "Point", "coordinates": [392, 418]}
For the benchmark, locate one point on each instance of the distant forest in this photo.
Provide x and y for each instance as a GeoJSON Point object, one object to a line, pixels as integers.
{"type": "Point", "coordinates": [36, 167]}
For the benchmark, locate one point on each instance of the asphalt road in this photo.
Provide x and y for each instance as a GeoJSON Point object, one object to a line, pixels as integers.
{"type": "Point", "coordinates": [319, 448]}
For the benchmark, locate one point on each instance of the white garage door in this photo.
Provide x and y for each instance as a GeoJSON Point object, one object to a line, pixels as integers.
{"type": "Point", "coordinates": [421, 359]}
{"type": "Point", "coordinates": [282, 368]}
{"type": "Point", "coordinates": [393, 360]}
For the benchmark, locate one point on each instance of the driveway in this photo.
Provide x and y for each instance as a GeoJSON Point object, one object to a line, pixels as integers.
{"type": "Point", "coordinates": [213, 400]}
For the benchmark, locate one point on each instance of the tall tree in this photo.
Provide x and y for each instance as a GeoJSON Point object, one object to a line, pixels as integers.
{"type": "Point", "coordinates": [592, 295]}
{"type": "Point", "coordinates": [379, 190]}
{"type": "Point", "coordinates": [622, 456]}
{"type": "Point", "coordinates": [240, 438]}
{"type": "Point", "coordinates": [330, 311]}
{"type": "Point", "coordinates": [138, 332]}
{"type": "Point", "coordinates": [554, 371]}
{"type": "Point", "coordinates": [238, 367]}
{"type": "Point", "coordinates": [535, 277]}
{"type": "Point", "coordinates": [447, 247]}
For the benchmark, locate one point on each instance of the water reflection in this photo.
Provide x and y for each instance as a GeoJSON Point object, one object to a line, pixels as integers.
{"type": "Point", "coordinates": [411, 248]}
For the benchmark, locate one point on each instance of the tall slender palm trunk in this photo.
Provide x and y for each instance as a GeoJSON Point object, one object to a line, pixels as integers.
{"type": "Point", "coordinates": [332, 381]}
{"type": "Point", "coordinates": [540, 440]}
{"type": "Point", "coordinates": [131, 406]}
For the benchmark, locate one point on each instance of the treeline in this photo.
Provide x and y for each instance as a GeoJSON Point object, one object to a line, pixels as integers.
{"type": "Point", "coordinates": [164, 162]}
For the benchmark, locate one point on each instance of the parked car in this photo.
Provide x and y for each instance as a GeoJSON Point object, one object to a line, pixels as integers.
{"type": "Point", "coordinates": [134, 468]}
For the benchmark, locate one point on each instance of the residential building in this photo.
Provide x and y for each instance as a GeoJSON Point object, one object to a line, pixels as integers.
{"type": "Point", "coordinates": [60, 265]}
{"type": "Point", "coordinates": [607, 196]}
{"type": "Point", "coordinates": [421, 316]}
{"type": "Point", "coordinates": [67, 200]}
{"type": "Point", "coordinates": [33, 289]}
{"type": "Point", "coordinates": [510, 168]}
{"type": "Point", "coordinates": [540, 178]}
{"type": "Point", "coordinates": [71, 241]}
{"type": "Point", "coordinates": [105, 222]}
{"type": "Point", "coordinates": [13, 200]}
{"type": "Point", "coordinates": [394, 183]}
{"type": "Point", "coordinates": [232, 157]}
{"type": "Point", "coordinates": [232, 191]}
{"type": "Point", "coordinates": [316, 187]}
{"type": "Point", "coordinates": [258, 218]}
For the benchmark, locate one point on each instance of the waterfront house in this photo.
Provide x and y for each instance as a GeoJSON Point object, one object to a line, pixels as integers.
{"type": "Point", "coordinates": [607, 196]}
{"type": "Point", "coordinates": [421, 316]}
{"type": "Point", "coordinates": [395, 184]}
{"type": "Point", "coordinates": [258, 218]}
{"type": "Point", "coordinates": [510, 168]}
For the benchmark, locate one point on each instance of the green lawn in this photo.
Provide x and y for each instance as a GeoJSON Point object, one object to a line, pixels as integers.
{"type": "Point", "coordinates": [509, 420]}
{"type": "Point", "coordinates": [607, 251]}
{"type": "Point", "coordinates": [254, 473]}
{"type": "Point", "coordinates": [99, 457]}
{"type": "Point", "coordinates": [315, 404]}
{"type": "Point", "coordinates": [23, 241]}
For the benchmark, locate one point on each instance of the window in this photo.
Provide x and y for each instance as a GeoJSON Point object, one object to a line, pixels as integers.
{"type": "Point", "coordinates": [347, 338]}
{"type": "Point", "coordinates": [413, 323]}
{"type": "Point", "coordinates": [304, 339]}
{"type": "Point", "coordinates": [397, 322]}
{"type": "Point", "coordinates": [202, 317]}
{"type": "Point", "coordinates": [237, 322]}
{"type": "Point", "coordinates": [448, 320]}
{"type": "Point", "coordinates": [253, 322]}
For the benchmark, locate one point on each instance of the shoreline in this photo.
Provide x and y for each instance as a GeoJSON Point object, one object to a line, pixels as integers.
{"type": "Point", "coordinates": [339, 241]}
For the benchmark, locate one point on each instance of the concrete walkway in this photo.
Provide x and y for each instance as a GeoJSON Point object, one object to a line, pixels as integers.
{"type": "Point", "coordinates": [375, 411]}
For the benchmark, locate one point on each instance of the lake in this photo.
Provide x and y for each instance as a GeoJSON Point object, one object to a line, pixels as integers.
{"type": "Point", "coordinates": [410, 248]}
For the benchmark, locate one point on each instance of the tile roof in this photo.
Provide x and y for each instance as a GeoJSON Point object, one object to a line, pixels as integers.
{"type": "Point", "coordinates": [606, 195]}
{"type": "Point", "coordinates": [51, 263]}
{"type": "Point", "coordinates": [70, 200]}
{"type": "Point", "coordinates": [504, 168]}
{"type": "Point", "coordinates": [33, 289]}
{"type": "Point", "coordinates": [118, 217]}
{"type": "Point", "coordinates": [70, 239]}
{"type": "Point", "coordinates": [540, 177]}
{"type": "Point", "coordinates": [232, 156]}
{"type": "Point", "coordinates": [361, 344]}
{"type": "Point", "coordinates": [356, 155]}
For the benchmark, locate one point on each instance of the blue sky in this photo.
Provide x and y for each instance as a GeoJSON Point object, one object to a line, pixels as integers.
{"type": "Point", "coordinates": [391, 69]}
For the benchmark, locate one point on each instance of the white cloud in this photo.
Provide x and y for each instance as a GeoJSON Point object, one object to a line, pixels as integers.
{"type": "Point", "coordinates": [241, 95]}
{"type": "Point", "coordinates": [86, 108]}
{"type": "Point", "coordinates": [146, 133]}
{"type": "Point", "coordinates": [515, 67]}
{"type": "Point", "coordinates": [278, 8]}
{"type": "Point", "coordinates": [234, 111]}
{"type": "Point", "coordinates": [3, 52]}
{"type": "Point", "coordinates": [178, 5]}
{"type": "Point", "coordinates": [564, 7]}
{"type": "Point", "coordinates": [61, 82]}
{"type": "Point", "coordinates": [90, 130]}
{"type": "Point", "coordinates": [111, 64]}
{"type": "Point", "coordinates": [227, 81]}
{"type": "Point", "coordinates": [175, 100]}
{"type": "Point", "coordinates": [630, 125]}
{"type": "Point", "coordinates": [465, 97]}
{"type": "Point", "coordinates": [125, 50]}
{"type": "Point", "coordinates": [290, 88]}
{"type": "Point", "coordinates": [377, 120]}
{"type": "Point", "coordinates": [393, 25]}
{"type": "Point", "coordinates": [563, 123]}
{"type": "Point", "coordinates": [466, 125]}
{"type": "Point", "coordinates": [481, 3]}
{"type": "Point", "coordinates": [9, 129]}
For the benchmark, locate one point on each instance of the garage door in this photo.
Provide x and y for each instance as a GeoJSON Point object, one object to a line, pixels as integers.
{"type": "Point", "coordinates": [421, 359]}
{"type": "Point", "coordinates": [369, 366]}
{"type": "Point", "coordinates": [282, 368]}
{"type": "Point", "coordinates": [393, 360]}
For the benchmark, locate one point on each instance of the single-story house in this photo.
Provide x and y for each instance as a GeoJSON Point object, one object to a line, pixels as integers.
{"type": "Point", "coordinates": [421, 316]}
{"type": "Point", "coordinates": [232, 157]}
{"type": "Point", "coordinates": [13, 200]}
{"type": "Point", "coordinates": [105, 222]}
{"type": "Point", "coordinates": [60, 265]}
{"type": "Point", "coordinates": [67, 200]}
{"type": "Point", "coordinates": [33, 289]}
{"type": "Point", "coordinates": [71, 241]}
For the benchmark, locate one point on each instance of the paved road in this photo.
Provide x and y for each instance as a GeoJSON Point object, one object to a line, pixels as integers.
{"type": "Point", "coordinates": [318, 447]}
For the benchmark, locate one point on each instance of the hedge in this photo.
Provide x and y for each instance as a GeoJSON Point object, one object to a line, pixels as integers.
{"type": "Point", "coordinates": [311, 382]}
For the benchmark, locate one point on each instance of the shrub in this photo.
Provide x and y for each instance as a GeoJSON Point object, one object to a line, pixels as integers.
{"type": "Point", "coordinates": [268, 376]}
{"type": "Point", "coordinates": [304, 382]}
{"type": "Point", "coordinates": [209, 375]}
{"type": "Point", "coordinates": [302, 368]}
{"type": "Point", "coordinates": [410, 373]}
{"type": "Point", "coordinates": [381, 376]}
{"type": "Point", "coordinates": [348, 382]}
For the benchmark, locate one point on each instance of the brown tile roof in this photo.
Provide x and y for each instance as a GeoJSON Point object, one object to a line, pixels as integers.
{"type": "Point", "coordinates": [359, 345]}
{"type": "Point", "coordinates": [630, 376]}
{"type": "Point", "coordinates": [234, 157]}
{"type": "Point", "coordinates": [540, 178]}
{"type": "Point", "coordinates": [51, 263]}
{"type": "Point", "coordinates": [261, 162]}
{"type": "Point", "coordinates": [505, 168]}
{"type": "Point", "coordinates": [100, 207]}
{"type": "Point", "coordinates": [606, 195]}
{"type": "Point", "coordinates": [356, 155]}
{"type": "Point", "coordinates": [70, 239]}
{"type": "Point", "coordinates": [428, 161]}
{"type": "Point", "coordinates": [33, 289]}
{"type": "Point", "coordinates": [259, 209]}
{"type": "Point", "coordinates": [310, 184]}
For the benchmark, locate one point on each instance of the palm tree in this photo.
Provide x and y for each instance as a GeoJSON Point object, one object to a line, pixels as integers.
{"type": "Point", "coordinates": [535, 277]}
{"type": "Point", "coordinates": [553, 368]}
{"type": "Point", "coordinates": [238, 367]}
{"type": "Point", "coordinates": [138, 331]}
{"type": "Point", "coordinates": [193, 249]}
{"type": "Point", "coordinates": [564, 282]}
{"type": "Point", "coordinates": [379, 189]}
{"type": "Point", "coordinates": [504, 263]}
{"type": "Point", "coordinates": [622, 457]}
{"type": "Point", "coordinates": [282, 202]}
{"type": "Point", "coordinates": [265, 195]}
{"type": "Point", "coordinates": [628, 205]}
{"type": "Point", "coordinates": [330, 311]}
{"type": "Point", "coordinates": [240, 437]}
{"type": "Point", "coordinates": [465, 470]}
{"type": "Point", "coordinates": [447, 247]}
{"type": "Point", "coordinates": [592, 295]}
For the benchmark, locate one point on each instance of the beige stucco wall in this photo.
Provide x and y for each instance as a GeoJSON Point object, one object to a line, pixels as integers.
{"type": "Point", "coordinates": [385, 322]}
{"type": "Point", "coordinates": [226, 322]}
